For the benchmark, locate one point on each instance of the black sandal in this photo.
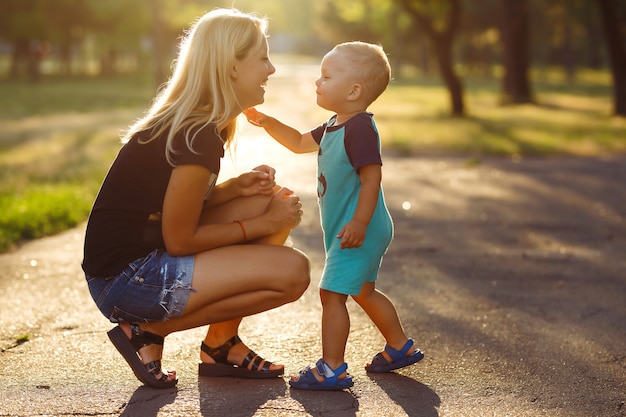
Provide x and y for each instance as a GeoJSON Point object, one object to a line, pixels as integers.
{"type": "Point", "coordinates": [222, 367]}
{"type": "Point", "coordinates": [146, 373]}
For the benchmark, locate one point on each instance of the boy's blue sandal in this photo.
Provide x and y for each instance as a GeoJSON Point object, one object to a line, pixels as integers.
{"type": "Point", "coordinates": [306, 378]}
{"type": "Point", "coordinates": [399, 357]}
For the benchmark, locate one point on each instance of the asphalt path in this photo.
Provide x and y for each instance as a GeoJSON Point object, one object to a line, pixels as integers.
{"type": "Point", "coordinates": [509, 274]}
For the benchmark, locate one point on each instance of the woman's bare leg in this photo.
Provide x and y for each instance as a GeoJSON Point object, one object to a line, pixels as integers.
{"type": "Point", "coordinates": [240, 280]}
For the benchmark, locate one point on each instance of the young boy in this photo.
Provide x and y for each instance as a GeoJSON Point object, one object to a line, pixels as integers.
{"type": "Point", "coordinates": [356, 223]}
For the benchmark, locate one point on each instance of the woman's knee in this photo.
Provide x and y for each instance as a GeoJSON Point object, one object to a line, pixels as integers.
{"type": "Point", "coordinates": [299, 273]}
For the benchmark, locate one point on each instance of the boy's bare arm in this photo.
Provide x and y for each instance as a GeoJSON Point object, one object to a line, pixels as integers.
{"type": "Point", "coordinates": [287, 136]}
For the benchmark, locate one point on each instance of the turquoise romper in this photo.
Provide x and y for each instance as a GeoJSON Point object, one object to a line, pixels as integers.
{"type": "Point", "coordinates": [343, 150]}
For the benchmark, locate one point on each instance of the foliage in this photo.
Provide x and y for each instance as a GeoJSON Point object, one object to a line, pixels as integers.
{"type": "Point", "coordinates": [40, 211]}
{"type": "Point", "coordinates": [567, 120]}
{"type": "Point", "coordinates": [563, 32]}
{"type": "Point", "coordinates": [57, 140]}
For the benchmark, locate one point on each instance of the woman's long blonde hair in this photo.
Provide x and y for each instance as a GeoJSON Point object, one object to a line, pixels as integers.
{"type": "Point", "coordinates": [200, 91]}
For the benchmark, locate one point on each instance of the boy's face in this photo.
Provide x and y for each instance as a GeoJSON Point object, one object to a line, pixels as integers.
{"type": "Point", "coordinates": [335, 83]}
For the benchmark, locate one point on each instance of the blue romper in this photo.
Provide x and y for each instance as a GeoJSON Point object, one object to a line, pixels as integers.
{"type": "Point", "coordinates": [343, 150]}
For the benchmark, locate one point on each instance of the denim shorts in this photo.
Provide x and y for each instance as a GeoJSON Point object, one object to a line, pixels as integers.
{"type": "Point", "coordinates": [153, 288]}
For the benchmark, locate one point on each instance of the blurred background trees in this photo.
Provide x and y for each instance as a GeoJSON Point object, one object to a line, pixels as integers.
{"type": "Point", "coordinates": [512, 40]}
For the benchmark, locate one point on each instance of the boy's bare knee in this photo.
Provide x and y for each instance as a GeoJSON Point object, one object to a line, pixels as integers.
{"type": "Point", "coordinates": [366, 291]}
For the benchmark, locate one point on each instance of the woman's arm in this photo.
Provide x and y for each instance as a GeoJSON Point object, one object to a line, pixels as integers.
{"type": "Point", "coordinates": [258, 181]}
{"type": "Point", "coordinates": [185, 234]}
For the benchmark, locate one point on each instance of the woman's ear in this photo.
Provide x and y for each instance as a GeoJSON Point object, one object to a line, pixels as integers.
{"type": "Point", "coordinates": [233, 72]}
{"type": "Point", "coordinates": [355, 92]}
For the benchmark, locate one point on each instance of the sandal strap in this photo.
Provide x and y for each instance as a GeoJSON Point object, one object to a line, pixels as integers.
{"type": "Point", "coordinates": [397, 355]}
{"type": "Point", "coordinates": [141, 338]}
{"type": "Point", "coordinates": [154, 368]}
{"type": "Point", "coordinates": [256, 361]}
{"type": "Point", "coordinates": [220, 353]}
{"type": "Point", "coordinates": [329, 373]}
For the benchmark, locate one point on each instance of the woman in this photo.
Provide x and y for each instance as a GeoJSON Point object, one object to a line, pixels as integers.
{"type": "Point", "coordinates": [166, 249]}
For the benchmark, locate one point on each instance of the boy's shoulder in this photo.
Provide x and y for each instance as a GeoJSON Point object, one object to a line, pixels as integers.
{"type": "Point", "coordinates": [361, 118]}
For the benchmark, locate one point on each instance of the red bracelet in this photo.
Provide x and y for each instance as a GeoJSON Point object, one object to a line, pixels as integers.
{"type": "Point", "coordinates": [243, 230]}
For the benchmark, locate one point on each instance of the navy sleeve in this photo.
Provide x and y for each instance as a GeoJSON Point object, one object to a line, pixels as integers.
{"type": "Point", "coordinates": [362, 142]}
{"type": "Point", "coordinates": [318, 132]}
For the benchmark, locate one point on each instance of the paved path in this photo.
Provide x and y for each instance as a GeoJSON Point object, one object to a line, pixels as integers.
{"type": "Point", "coordinates": [510, 275]}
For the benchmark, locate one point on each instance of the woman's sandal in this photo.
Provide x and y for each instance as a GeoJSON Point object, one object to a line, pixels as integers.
{"type": "Point", "coordinates": [222, 367]}
{"type": "Point", "coordinates": [129, 348]}
{"type": "Point", "coordinates": [306, 378]}
{"type": "Point", "coordinates": [399, 358]}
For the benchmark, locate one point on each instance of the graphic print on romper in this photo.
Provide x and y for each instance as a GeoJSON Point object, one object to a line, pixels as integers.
{"type": "Point", "coordinates": [321, 186]}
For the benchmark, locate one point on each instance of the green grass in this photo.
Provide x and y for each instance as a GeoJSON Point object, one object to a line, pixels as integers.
{"type": "Point", "coordinates": [82, 95]}
{"type": "Point", "coordinates": [42, 210]}
{"type": "Point", "coordinates": [58, 137]}
{"type": "Point", "coordinates": [567, 119]}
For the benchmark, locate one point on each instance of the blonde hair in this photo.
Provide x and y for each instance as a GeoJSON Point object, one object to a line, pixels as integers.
{"type": "Point", "coordinates": [370, 64]}
{"type": "Point", "coordinates": [200, 91]}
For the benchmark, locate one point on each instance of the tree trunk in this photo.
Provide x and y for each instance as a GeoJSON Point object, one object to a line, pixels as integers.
{"type": "Point", "coordinates": [515, 36]}
{"type": "Point", "coordinates": [19, 57]}
{"type": "Point", "coordinates": [452, 81]}
{"type": "Point", "coordinates": [443, 41]}
{"type": "Point", "coordinates": [159, 47]}
{"type": "Point", "coordinates": [617, 54]}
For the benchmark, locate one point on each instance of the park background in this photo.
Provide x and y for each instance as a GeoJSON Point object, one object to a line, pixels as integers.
{"type": "Point", "coordinates": [508, 78]}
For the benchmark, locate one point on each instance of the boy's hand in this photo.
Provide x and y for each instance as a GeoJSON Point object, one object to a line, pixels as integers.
{"type": "Point", "coordinates": [352, 235]}
{"type": "Point", "coordinates": [255, 117]}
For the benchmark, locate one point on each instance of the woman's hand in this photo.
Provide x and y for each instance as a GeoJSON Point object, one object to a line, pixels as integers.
{"type": "Point", "coordinates": [260, 180]}
{"type": "Point", "coordinates": [285, 209]}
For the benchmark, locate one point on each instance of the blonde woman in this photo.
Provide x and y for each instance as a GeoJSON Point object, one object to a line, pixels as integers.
{"type": "Point", "coordinates": [167, 248]}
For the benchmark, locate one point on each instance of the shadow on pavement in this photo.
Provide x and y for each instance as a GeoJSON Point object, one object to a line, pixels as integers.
{"type": "Point", "coordinates": [147, 402]}
{"type": "Point", "coordinates": [415, 398]}
{"type": "Point", "coordinates": [332, 403]}
{"type": "Point", "coordinates": [235, 397]}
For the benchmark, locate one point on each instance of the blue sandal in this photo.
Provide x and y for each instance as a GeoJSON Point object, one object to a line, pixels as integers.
{"type": "Point", "coordinates": [399, 357]}
{"type": "Point", "coordinates": [306, 378]}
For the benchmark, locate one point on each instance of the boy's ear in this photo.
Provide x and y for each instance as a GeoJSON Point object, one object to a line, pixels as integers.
{"type": "Point", "coordinates": [355, 92]}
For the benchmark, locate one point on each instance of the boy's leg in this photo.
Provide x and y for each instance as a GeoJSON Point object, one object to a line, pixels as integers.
{"type": "Point", "coordinates": [335, 330]}
{"type": "Point", "coordinates": [335, 327]}
{"type": "Point", "coordinates": [383, 314]}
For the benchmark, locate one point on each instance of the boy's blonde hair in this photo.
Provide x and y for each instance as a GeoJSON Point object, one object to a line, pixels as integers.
{"type": "Point", "coordinates": [370, 64]}
{"type": "Point", "coordinates": [200, 91]}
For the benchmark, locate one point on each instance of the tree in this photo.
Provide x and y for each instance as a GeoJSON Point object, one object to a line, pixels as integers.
{"type": "Point", "coordinates": [614, 32]}
{"type": "Point", "coordinates": [22, 24]}
{"type": "Point", "coordinates": [443, 41]}
{"type": "Point", "coordinates": [514, 28]}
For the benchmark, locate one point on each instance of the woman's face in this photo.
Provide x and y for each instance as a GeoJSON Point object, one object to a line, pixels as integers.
{"type": "Point", "coordinates": [250, 76]}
